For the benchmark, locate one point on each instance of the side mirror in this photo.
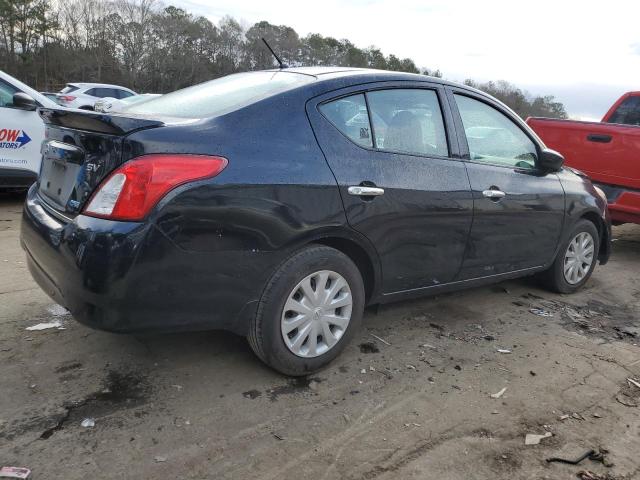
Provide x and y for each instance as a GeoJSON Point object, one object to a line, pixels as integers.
{"type": "Point", "coordinates": [24, 102]}
{"type": "Point", "coordinates": [550, 160]}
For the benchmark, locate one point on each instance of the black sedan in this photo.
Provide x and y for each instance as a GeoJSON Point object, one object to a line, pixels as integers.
{"type": "Point", "coordinates": [277, 204]}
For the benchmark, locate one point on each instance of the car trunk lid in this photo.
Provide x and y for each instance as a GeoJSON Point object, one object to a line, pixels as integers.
{"type": "Point", "coordinates": [81, 149]}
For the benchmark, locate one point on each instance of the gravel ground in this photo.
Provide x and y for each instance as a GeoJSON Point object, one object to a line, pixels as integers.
{"type": "Point", "coordinates": [418, 405]}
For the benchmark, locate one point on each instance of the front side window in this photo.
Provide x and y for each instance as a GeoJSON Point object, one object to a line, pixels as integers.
{"type": "Point", "coordinates": [6, 94]}
{"type": "Point", "coordinates": [493, 137]}
{"type": "Point", "coordinates": [408, 121]}
{"type": "Point", "coordinates": [627, 113]}
{"type": "Point", "coordinates": [349, 115]}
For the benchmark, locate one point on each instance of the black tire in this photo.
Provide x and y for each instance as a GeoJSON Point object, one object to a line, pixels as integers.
{"type": "Point", "coordinates": [265, 336]}
{"type": "Point", "coordinates": [554, 278]}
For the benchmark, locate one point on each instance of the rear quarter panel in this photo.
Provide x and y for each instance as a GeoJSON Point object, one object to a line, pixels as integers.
{"type": "Point", "coordinates": [276, 194]}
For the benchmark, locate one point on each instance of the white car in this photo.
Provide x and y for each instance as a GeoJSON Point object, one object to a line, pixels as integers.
{"type": "Point", "coordinates": [115, 105]}
{"type": "Point", "coordinates": [21, 133]}
{"type": "Point", "coordinates": [85, 95]}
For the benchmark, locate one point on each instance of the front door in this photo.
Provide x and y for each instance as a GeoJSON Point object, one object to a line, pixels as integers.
{"type": "Point", "coordinates": [400, 182]}
{"type": "Point", "coordinates": [21, 133]}
{"type": "Point", "coordinates": [518, 210]}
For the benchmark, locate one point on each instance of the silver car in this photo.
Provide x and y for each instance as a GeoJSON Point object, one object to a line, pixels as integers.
{"type": "Point", "coordinates": [110, 104]}
{"type": "Point", "coordinates": [85, 95]}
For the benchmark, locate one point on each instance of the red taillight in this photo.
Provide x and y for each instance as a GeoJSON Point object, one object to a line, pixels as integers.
{"type": "Point", "coordinates": [133, 189]}
{"type": "Point", "coordinates": [66, 98]}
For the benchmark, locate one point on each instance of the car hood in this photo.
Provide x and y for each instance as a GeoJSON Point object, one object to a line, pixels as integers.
{"type": "Point", "coordinates": [577, 172]}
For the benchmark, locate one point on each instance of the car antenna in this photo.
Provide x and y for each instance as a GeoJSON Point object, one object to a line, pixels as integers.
{"type": "Point", "coordinates": [282, 64]}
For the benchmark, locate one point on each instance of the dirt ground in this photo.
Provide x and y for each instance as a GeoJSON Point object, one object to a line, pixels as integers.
{"type": "Point", "coordinates": [201, 406]}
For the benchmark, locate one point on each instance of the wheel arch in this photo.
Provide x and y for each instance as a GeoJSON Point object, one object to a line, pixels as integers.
{"type": "Point", "coordinates": [363, 256]}
{"type": "Point", "coordinates": [603, 232]}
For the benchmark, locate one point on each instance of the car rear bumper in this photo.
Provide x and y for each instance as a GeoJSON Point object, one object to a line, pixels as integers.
{"type": "Point", "coordinates": [129, 277]}
{"type": "Point", "coordinates": [15, 178]}
{"type": "Point", "coordinates": [624, 204]}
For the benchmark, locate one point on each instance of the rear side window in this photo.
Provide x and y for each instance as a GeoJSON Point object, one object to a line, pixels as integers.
{"type": "Point", "coordinates": [408, 121]}
{"type": "Point", "coordinates": [222, 95]}
{"type": "Point", "coordinates": [106, 92]}
{"type": "Point", "coordinates": [102, 92]}
{"type": "Point", "coordinates": [123, 94]}
{"type": "Point", "coordinates": [405, 120]}
{"type": "Point", "coordinates": [627, 113]}
{"type": "Point", "coordinates": [349, 115]}
{"type": "Point", "coordinates": [493, 137]}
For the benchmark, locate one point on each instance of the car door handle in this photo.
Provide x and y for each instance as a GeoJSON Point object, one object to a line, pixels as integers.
{"type": "Point", "coordinates": [494, 194]}
{"type": "Point", "coordinates": [365, 191]}
{"type": "Point", "coordinates": [594, 137]}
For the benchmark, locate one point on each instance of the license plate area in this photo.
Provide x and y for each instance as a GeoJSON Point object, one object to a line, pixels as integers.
{"type": "Point", "coordinates": [62, 169]}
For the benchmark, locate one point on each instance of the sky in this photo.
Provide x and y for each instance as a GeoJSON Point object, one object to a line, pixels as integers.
{"type": "Point", "coordinates": [585, 53]}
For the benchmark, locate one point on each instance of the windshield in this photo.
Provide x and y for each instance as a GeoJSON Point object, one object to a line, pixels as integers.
{"type": "Point", "coordinates": [222, 95]}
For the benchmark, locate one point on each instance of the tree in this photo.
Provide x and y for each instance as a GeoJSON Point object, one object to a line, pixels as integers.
{"type": "Point", "coordinates": [145, 46]}
{"type": "Point", "coordinates": [284, 41]}
{"type": "Point", "coordinates": [520, 101]}
{"type": "Point", "coordinates": [22, 24]}
{"type": "Point", "coordinates": [134, 34]}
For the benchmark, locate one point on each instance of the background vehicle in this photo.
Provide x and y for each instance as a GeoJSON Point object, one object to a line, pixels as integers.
{"type": "Point", "coordinates": [110, 104]}
{"type": "Point", "coordinates": [85, 95]}
{"type": "Point", "coordinates": [267, 204]}
{"type": "Point", "coordinates": [53, 96]}
{"type": "Point", "coordinates": [608, 152]}
{"type": "Point", "coordinates": [21, 133]}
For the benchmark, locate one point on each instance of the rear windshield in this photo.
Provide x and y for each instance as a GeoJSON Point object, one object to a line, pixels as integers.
{"type": "Point", "coordinates": [222, 95]}
{"type": "Point", "coordinates": [628, 112]}
{"type": "Point", "coordinates": [69, 89]}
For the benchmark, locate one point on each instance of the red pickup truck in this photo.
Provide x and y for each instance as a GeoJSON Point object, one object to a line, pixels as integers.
{"type": "Point", "coordinates": [608, 152]}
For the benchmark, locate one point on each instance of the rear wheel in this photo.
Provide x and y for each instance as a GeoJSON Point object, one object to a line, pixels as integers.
{"type": "Point", "coordinates": [308, 312]}
{"type": "Point", "coordinates": [576, 259]}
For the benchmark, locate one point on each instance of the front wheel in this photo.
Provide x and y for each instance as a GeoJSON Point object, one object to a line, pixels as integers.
{"type": "Point", "coordinates": [310, 309]}
{"type": "Point", "coordinates": [576, 259]}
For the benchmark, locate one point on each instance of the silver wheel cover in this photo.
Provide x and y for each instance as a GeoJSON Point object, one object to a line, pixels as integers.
{"type": "Point", "coordinates": [578, 258]}
{"type": "Point", "coordinates": [316, 314]}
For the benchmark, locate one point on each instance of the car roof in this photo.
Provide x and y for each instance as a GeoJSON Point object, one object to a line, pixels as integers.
{"type": "Point", "coordinates": [363, 75]}
{"type": "Point", "coordinates": [328, 73]}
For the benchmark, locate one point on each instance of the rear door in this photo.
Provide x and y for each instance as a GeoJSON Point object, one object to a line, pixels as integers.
{"type": "Point", "coordinates": [401, 182]}
{"type": "Point", "coordinates": [518, 210]}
